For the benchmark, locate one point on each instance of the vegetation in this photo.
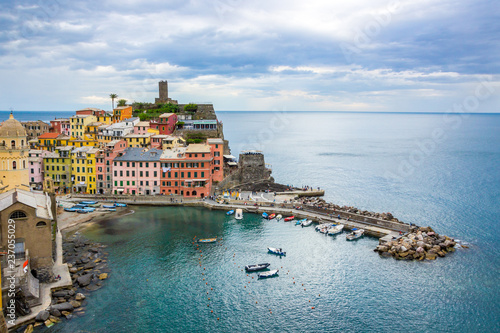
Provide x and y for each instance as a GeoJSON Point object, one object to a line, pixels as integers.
{"type": "Point", "coordinates": [152, 113]}
{"type": "Point", "coordinates": [180, 124]}
{"type": "Point", "coordinates": [122, 102]}
{"type": "Point", "coordinates": [189, 141]}
{"type": "Point", "coordinates": [113, 96]}
{"type": "Point", "coordinates": [191, 107]}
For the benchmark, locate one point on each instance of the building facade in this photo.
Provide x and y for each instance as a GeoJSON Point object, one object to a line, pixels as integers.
{"type": "Point", "coordinates": [121, 113]}
{"type": "Point", "coordinates": [61, 126]}
{"type": "Point", "coordinates": [104, 165]}
{"type": "Point", "coordinates": [35, 128]}
{"type": "Point", "coordinates": [83, 169]}
{"type": "Point", "coordinates": [57, 168]}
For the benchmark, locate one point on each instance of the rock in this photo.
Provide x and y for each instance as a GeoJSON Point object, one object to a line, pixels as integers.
{"type": "Point", "coordinates": [97, 260]}
{"type": "Point", "coordinates": [60, 293]}
{"type": "Point", "coordinates": [63, 307]}
{"type": "Point", "coordinates": [48, 323]}
{"type": "Point", "coordinates": [55, 313]}
{"type": "Point", "coordinates": [430, 256]}
{"type": "Point", "coordinates": [75, 304]}
{"type": "Point", "coordinates": [84, 260]}
{"type": "Point", "coordinates": [382, 248]}
{"type": "Point", "coordinates": [69, 316]}
{"type": "Point", "coordinates": [71, 292]}
{"type": "Point", "coordinates": [84, 280]}
{"type": "Point", "coordinates": [403, 249]}
{"type": "Point", "coordinates": [73, 270]}
{"type": "Point", "coordinates": [403, 254]}
{"type": "Point", "coordinates": [420, 249]}
{"type": "Point", "coordinates": [80, 297]}
{"type": "Point", "coordinates": [89, 265]}
{"type": "Point", "coordinates": [65, 313]}
{"type": "Point", "coordinates": [441, 254]}
{"type": "Point", "coordinates": [29, 329]}
{"type": "Point", "coordinates": [93, 287]}
{"type": "Point", "coordinates": [54, 319]}
{"type": "Point", "coordinates": [42, 316]}
{"type": "Point", "coordinates": [103, 276]}
{"type": "Point", "coordinates": [420, 244]}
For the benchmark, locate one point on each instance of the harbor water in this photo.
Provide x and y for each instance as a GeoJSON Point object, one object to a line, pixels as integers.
{"type": "Point", "coordinates": [428, 169]}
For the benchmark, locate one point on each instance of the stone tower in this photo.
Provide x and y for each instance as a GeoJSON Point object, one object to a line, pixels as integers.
{"type": "Point", "coordinates": [163, 88]}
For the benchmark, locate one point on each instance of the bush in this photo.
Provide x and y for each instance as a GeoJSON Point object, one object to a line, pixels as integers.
{"type": "Point", "coordinates": [189, 141]}
{"type": "Point", "coordinates": [191, 107]}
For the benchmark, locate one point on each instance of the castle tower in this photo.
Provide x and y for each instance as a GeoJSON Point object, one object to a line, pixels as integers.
{"type": "Point", "coordinates": [14, 152]}
{"type": "Point", "coordinates": [163, 87]}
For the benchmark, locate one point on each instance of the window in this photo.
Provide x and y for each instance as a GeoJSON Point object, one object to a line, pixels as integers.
{"type": "Point", "coordinates": [147, 182]}
{"type": "Point", "coordinates": [202, 174]}
{"type": "Point", "coordinates": [147, 165]}
{"type": "Point", "coordinates": [147, 173]}
{"type": "Point", "coordinates": [133, 173]}
{"type": "Point", "coordinates": [155, 173]}
{"type": "Point", "coordinates": [41, 224]}
{"type": "Point", "coordinates": [182, 174]}
{"type": "Point", "coordinates": [189, 175]}
{"type": "Point", "coordinates": [18, 214]}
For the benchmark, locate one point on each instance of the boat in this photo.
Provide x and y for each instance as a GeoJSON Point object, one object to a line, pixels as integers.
{"type": "Point", "coordinates": [72, 209]}
{"type": "Point", "coordinates": [110, 209]}
{"type": "Point", "coordinates": [325, 228]}
{"type": "Point", "coordinates": [96, 205]}
{"type": "Point", "coordinates": [207, 240]}
{"type": "Point", "coordinates": [239, 214]}
{"type": "Point", "coordinates": [336, 229]}
{"type": "Point", "coordinates": [88, 202]}
{"type": "Point", "coordinates": [306, 223]}
{"type": "Point", "coordinates": [108, 206]}
{"type": "Point", "coordinates": [118, 204]}
{"type": "Point", "coordinates": [80, 206]}
{"type": "Point", "coordinates": [288, 219]}
{"type": "Point", "coordinates": [256, 267]}
{"type": "Point", "coordinates": [82, 211]}
{"type": "Point", "coordinates": [269, 274]}
{"type": "Point", "coordinates": [276, 251]}
{"type": "Point", "coordinates": [300, 221]}
{"type": "Point", "coordinates": [355, 234]}
{"type": "Point", "coordinates": [279, 217]}
{"type": "Point", "coordinates": [272, 216]}
{"type": "Point", "coordinates": [265, 215]}
{"type": "Point", "coordinates": [321, 226]}
{"type": "Point", "coordinates": [231, 212]}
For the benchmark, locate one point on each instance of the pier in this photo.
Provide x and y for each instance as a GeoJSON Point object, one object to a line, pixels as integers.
{"type": "Point", "coordinates": [372, 226]}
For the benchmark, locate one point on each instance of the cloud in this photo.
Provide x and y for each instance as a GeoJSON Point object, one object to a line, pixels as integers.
{"type": "Point", "coordinates": [262, 55]}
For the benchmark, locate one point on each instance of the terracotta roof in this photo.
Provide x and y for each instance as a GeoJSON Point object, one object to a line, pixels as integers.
{"type": "Point", "coordinates": [49, 135]}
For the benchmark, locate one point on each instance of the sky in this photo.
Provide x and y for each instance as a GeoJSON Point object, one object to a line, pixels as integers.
{"type": "Point", "coordinates": [273, 55]}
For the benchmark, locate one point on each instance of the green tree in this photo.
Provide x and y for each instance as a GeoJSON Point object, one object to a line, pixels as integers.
{"type": "Point", "coordinates": [191, 107]}
{"type": "Point", "coordinates": [113, 96]}
{"type": "Point", "coordinates": [122, 102]}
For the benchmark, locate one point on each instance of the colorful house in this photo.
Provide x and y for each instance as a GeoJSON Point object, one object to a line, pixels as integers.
{"type": "Point", "coordinates": [142, 127]}
{"type": "Point", "coordinates": [104, 165]}
{"type": "Point", "coordinates": [35, 161]}
{"type": "Point", "coordinates": [79, 124]}
{"type": "Point", "coordinates": [91, 111]}
{"type": "Point", "coordinates": [48, 141]}
{"type": "Point", "coordinates": [57, 166]}
{"type": "Point", "coordinates": [138, 140]}
{"type": "Point", "coordinates": [166, 124]}
{"type": "Point", "coordinates": [217, 150]}
{"type": "Point", "coordinates": [137, 171]}
{"type": "Point", "coordinates": [83, 168]}
{"type": "Point", "coordinates": [61, 126]}
{"type": "Point", "coordinates": [121, 113]}
{"type": "Point", "coordinates": [167, 141]}
{"type": "Point", "coordinates": [187, 171]}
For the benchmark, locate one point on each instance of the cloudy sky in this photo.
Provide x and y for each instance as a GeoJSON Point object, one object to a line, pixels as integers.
{"type": "Point", "coordinates": [357, 55]}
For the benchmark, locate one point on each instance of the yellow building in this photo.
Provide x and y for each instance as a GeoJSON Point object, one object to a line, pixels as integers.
{"type": "Point", "coordinates": [14, 153]}
{"type": "Point", "coordinates": [83, 169]}
{"type": "Point", "coordinates": [48, 141]}
{"type": "Point", "coordinates": [83, 143]}
{"type": "Point", "coordinates": [105, 119]}
{"type": "Point", "coordinates": [91, 130]}
{"type": "Point", "coordinates": [138, 140]}
{"type": "Point", "coordinates": [79, 124]}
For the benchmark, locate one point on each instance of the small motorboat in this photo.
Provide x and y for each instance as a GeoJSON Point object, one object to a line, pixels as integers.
{"type": "Point", "coordinates": [299, 222]}
{"type": "Point", "coordinates": [82, 211]}
{"type": "Point", "coordinates": [96, 205]}
{"type": "Point", "coordinates": [265, 215]}
{"type": "Point", "coordinates": [231, 212]}
{"type": "Point", "coordinates": [279, 252]}
{"type": "Point", "coordinates": [88, 202]}
{"type": "Point", "coordinates": [288, 219]}
{"type": "Point", "coordinates": [336, 229]}
{"type": "Point", "coordinates": [108, 206]}
{"type": "Point", "coordinates": [321, 226]}
{"type": "Point", "coordinates": [72, 209]}
{"type": "Point", "coordinates": [355, 234]}
{"type": "Point", "coordinates": [80, 206]}
{"type": "Point", "coordinates": [256, 267]}
{"type": "Point", "coordinates": [119, 204]}
{"type": "Point", "coordinates": [306, 223]}
{"type": "Point", "coordinates": [269, 274]}
{"type": "Point", "coordinates": [239, 214]}
{"type": "Point", "coordinates": [110, 209]}
{"type": "Point", "coordinates": [272, 216]}
{"type": "Point", "coordinates": [207, 240]}
{"type": "Point", "coordinates": [279, 217]}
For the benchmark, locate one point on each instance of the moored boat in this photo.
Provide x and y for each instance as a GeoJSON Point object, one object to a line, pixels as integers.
{"type": "Point", "coordinates": [306, 223]}
{"type": "Point", "coordinates": [108, 206]}
{"type": "Point", "coordinates": [299, 222]}
{"type": "Point", "coordinates": [269, 274]}
{"type": "Point", "coordinates": [276, 251]}
{"type": "Point", "coordinates": [272, 216]}
{"type": "Point", "coordinates": [119, 204]}
{"type": "Point", "coordinates": [288, 219]}
{"type": "Point", "coordinates": [279, 217]}
{"type": "Point", "coordinates": [265, 215]}
{"type": "Point", "coordinates": [336, 229]}
{"type": "Point", "coordinates": [256, 267]}
{"type": "Point", "coordinates": [355, 234]}
{"type": "Point", "coordinates": [207, 240]}
{"type": "Point", "coordinates": [239, 214]}
{"type": "Point", "coordinates": [231, 212]}
{"type": "Point", "coordinates": [88, 202]}
{"type": "Point", "coordinates": [72, 209]}
{"type": "Point", "coordinates": [110, 209]}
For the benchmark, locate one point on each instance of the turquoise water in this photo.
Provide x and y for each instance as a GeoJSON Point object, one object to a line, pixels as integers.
{"type": "Point", "coordinates": [371, 161]}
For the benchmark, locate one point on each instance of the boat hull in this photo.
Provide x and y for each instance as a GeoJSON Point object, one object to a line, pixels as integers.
{"type": "Point", "coordinates": [269, 274]}
{"type": "Point", "coordinates": [276, 251]}
{"type": "Point", "coordinates": [207, 240]}
{"type": "Point", "coordinates": [257, 267]}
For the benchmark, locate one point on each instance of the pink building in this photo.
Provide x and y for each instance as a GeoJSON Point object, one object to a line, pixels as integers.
{"type": "Point", "coordinates": [35, 163]}
{"type": "Point", "coordinates": [166, 123]}
{"type": "Point", "coordinates": [141, 127]}
{"type": "Point", "coordinates": [217, 150]}
{"type": "Point", "coordinates": [137, 171]}
{"type": "Point", "coordinates": [60, 125]}
{"type": "Point", "coordinates": [104, 165]}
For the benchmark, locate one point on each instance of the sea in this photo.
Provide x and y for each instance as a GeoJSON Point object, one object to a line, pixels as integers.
{"type": "Point", "coordinates": [438, 170]}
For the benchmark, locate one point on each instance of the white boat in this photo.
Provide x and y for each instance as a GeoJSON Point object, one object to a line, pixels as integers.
{"type": "Point", "coordinates": [279, 217]}
{"type": "Point", "coordinates": [325, 227]}
{"type": "Point", "coordinates": [279, 252]}
{"type": "Point", "coordinates": [336, 229]}
{"type": "Point", "coordinates": [355, 234]}
{"type": "Point", "coordinates": [269, 274]}
{"type": "Point", "coordinates": [239, 214]}
{"type": "Point", "coordinates": [306, 223]}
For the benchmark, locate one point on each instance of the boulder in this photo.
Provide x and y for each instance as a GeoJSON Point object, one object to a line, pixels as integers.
{"type": "Point", "coordinates": [48, 323]}
{"type": "Point", "coordinates": [55, 313]}
{"type": "Point", "coordinates": [80, 297]}
{"type": "Point", "coordinates": [84, 280]}
{"type": "Point", "coordinates": [42, 315]}
{"type": "Point", "coordinates": [60, 293]}
{"type": "Point", "coordinates": [420, 249]}
{"type": "Point", "coordinates": [63, 307]}
{"type": "Point", "coordinates": [54, 319]}
{"type": "Point", "coordinates": [430, 256]}
{"type": "Point", "coordinates": [403, 249]}
{"type": "Point", "coordinates": [71, 292]}
{"type": "Point", "coordinates": [103, 276]}
{"type": "Point", "coordinates": [29, 329]}
{"type": "Point", "coordinates": [89, 265]}
{"type": "Point", "coordinates": [75, 304]}
{"type": "Point", "coordinates": [73, 270]}
{"type": "Point", "coordinates": [441, 254]}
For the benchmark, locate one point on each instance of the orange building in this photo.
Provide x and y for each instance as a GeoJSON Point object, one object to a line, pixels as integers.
{"type": "Point", "coordinates": [121, 113]}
